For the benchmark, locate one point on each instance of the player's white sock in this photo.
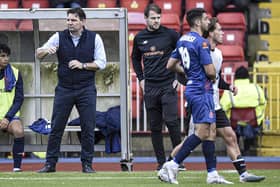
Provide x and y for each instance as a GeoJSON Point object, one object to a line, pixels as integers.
{"type": "Point", "coordinates": [212, 173]}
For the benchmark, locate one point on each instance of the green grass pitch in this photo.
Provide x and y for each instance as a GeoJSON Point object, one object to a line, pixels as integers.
{"type": "Point", "coordinates": [123, 179]}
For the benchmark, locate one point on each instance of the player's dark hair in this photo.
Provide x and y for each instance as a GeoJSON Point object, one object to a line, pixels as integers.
{"type": "Point", "coordinates": [211, 27]}
{"type": "Point", "coordinates": [79, 11]}
{"type": "Point", "coordinates": [241, 73]}
{"type": "Point", "coordinates": [5, 49]}
{"type": "Point", "coordinates": [153, 7]}
{"type": "Point", "coordinates": [194, 14]}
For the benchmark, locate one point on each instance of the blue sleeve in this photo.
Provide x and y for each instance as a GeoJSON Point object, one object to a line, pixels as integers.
{"type": "Point", "coordinates": [175, 53]}
{"type": "Point", "coordinates": [18, 99]}
{"type": "Point", "coordinates": [204, 52]}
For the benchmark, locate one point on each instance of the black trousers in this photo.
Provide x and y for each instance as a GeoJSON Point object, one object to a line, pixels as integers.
{"type": "Point", "coordinates": [85, 101]}
{"type": "Point", "coordinates": [161, 105]}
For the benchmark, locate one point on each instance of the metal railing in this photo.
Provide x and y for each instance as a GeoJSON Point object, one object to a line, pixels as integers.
{"type": "Point", "coordinates": [270, 82]}
{"type": "Point", "coordinates": [138, 115]}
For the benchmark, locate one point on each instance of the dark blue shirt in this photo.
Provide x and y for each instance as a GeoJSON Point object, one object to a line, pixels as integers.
{"type": "Point", "coordinates": [193, 51]}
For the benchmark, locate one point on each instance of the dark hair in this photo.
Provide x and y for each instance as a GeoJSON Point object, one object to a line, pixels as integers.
{"type": "Point", "coordinates": [79, 11]}
{"type": "Point", "coordinates": [5, 49]}
{"type": "Point", "coordinates": [241, 73]}
{"type": "Point", "coordinates": [152, 7]}
{"type": "Point", "coordinates": [193, 14]}
{"type": "Point", "coordinates": [211, 27]}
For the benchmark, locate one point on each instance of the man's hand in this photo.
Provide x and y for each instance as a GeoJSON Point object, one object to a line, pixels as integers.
{"type": "Point", "coordinates": [142, 84]}
{"type": "Point", "coordinates": [233, 89]}
{"type": "Point", "coordinates": [4, 124]}
{"type": "Point", "coordinates": [75, 64]}
{"type": "Point", "coordinates": [51, 50]}
{"type": "Point", "coordinates": [43, 52]}
{"type": "Point", "coordinates": [175, 85]}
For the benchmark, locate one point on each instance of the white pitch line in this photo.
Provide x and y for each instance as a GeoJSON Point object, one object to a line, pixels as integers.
{"type": "Point", "coordinates": [81, 178]}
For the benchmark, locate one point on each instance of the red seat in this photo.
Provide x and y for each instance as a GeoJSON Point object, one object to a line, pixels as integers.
{"type": "Point", "coordinates": [232, 21]}
{"type": "Point", "coordinates": [169, 6]}
{"type": "Point", "coordinates": [229, 68]}
{"type": "Point", "coordinates": [234, 26]}
{"type": "Point", "coordinates": [35, 4]}
{"type": "Point", "coordinates": [101, 4]}
{"type": "Point", "coordinates": [5, 4]}
{"type": "Point", "coordinates": [247, 115]}
{"type": "Point", "coordinates": [134, 5]}
{"type": "Point", "coordinates": [25, 25]}
{"type": "Point", "coordinates": [136, 21]}
{"type": "Point", "coordinates": [234, 37]}
{"type": "Point", "coordinates": [206, 4]}
{"type": "Point", "coordinates": [232, 52]}
{"type": "Point", "coordinates": [171, 21]}
{"type": "Point", "coordinates": [8, 25]}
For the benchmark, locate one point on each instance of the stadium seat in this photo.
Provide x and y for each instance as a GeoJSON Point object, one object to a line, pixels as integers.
{"type": "Point", "coordinates": [8, 25]}
{"type": "Point", "coordinates": [170, 6]}
{"type": "Point", "coordinates": [229, 68]}
{"type": "Point", "coordinates": [247, 115]}
{"type": "Point", "coordinates": [6, 4]}
{"type": "Point", "coordinates": [206, 4]}
{"type": "Point", "coordinates": [136, 21]}
{"type": "Point", "coordinates": [234, 26]}
{"type": "Point", "coordinates": [171, 21]}
{"type": "Point", "coordinates": [232, 52]}
{"type": "Point", "coordinates": [35, 4]}
{"type": "Point", "coordinates": [25, 25]}
{"type": "Point", "coordinates": [101, 4]}
{"type": "Point", "coordinates": [234, 37]}
{"type": "Point", "coordinates": [134, 5]}
{"type": "Point", "coordinates": [232, 21]}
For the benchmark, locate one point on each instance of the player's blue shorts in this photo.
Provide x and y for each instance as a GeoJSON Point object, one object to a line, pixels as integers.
{"type": "Point", "coordinates": [202, 107]}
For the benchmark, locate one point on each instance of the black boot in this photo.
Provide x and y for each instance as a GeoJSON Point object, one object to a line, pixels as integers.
{"type": "Point", "coordinates": [48, 168]}
{"type": "Point", "coordinates": [87, 168]}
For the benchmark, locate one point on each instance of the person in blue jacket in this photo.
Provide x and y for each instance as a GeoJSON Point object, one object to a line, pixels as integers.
{"type": "Point", "coordinates": [11, 99]}
{"type": "Point", "coordinates": [80, 54]}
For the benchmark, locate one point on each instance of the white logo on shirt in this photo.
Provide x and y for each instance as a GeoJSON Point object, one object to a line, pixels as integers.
{"type": "Point", "coordinates": [145, 42]}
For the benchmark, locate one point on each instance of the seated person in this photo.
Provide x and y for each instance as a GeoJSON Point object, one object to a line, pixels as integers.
{"type": "Point", "coordinates": [219, 6]}
{"type": "Point", "coordinates": [67, 3]}
{"type": "Point", "coordinates": [11, 99]}
{"type": "Point", "coordinates": [249, 95]}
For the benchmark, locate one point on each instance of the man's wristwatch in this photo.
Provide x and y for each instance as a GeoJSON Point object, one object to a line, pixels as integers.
{"type": "Point", "coordinates": [84, 65]}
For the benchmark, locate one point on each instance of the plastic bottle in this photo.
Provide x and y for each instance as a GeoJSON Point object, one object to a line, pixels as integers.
{"type": "Point", "coordinates": [267, 123]}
